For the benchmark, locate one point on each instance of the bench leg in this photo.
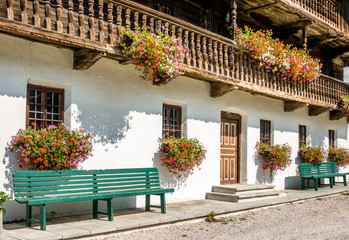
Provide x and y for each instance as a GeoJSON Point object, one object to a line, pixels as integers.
{"type": "Point", "coordinates": [345, 180]}
{"type": "Point", "coordinates": [28, 215]}
{"type": "Point", "coordinates": [147, 203]}
{"type": "Point", "coordinates": [163, 203]}
{"type": "Point", "coordinates": [110, 209]}
{"type": "Point", "coordinates": [43, 217]}
{"type": "Point", "coordinates": [315, 184]}
{"type": "Point", "coordinates": [303, 183]}
{"type": "Point", "coordinates": [319, 182]}
{"type": "Point", "coordinates": [95, 208]}
{"type": "Point", "coordinates": [331, 182]}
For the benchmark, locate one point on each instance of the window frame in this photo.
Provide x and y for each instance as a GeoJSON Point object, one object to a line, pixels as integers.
{"type": "Point", "coordinates": [331, 137]}
{"type": "Point", "coordinates": [176, 133]}
{"type": "Point", "coordinates": [44, 91]}
{"type": "Point", "coordinates": [267, 131]}
{"type": "Point", "coordinates": [300, 142]}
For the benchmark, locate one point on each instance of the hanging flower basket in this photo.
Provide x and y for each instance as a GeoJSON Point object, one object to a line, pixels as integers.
{"type": "Point", "coordinates": [159, 57]}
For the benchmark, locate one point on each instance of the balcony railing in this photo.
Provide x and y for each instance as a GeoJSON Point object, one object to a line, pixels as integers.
{"type": "Point", "coordinates": [97, 25]}
{"type": "Point", "coordinates": [328, 11]}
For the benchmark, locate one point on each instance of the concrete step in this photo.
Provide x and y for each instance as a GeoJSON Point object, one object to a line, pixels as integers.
{"type": "Point", "coordinates": [243, 196]}
{"type": "Point", "coordinates": [235, 188]}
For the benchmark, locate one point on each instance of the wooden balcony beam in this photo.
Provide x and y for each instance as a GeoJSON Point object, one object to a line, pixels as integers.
{"type": "Point", "coordinates": [290, 106]}
{"type": "Point", "coordinates": [261, 7]}
{"type": "Point", "coordinates": [336, 115]}
{"type": "Point", "coordinates": [85, 58]}
{"type": "Point", "coordinates": [316, 110]}
{"type": "Point", "coordinates": [218, 89]}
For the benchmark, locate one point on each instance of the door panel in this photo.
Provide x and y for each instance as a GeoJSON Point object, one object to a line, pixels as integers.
{"type": "Point", "coordinates": [230, 134]}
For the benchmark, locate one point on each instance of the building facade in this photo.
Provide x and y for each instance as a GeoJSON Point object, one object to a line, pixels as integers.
{"type": "Point", "coordinates": [61, 57]}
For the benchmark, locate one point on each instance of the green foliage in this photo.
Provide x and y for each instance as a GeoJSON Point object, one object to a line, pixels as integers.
{"type": "Point", "coordinates": [158, 56]}
{"type": "Point", "coordinates": [211, 217]}
{"type": "Point", "coordinates": [51, 148]}
{"type": "Point", "coordinates": [181, 154]}
{"type": "Point", "coordinates": [3, 198]}
{"type": "Point", "coordinates": [275, 157]}
{"type": "Point", "coordinates": [312, 154]}
{"type": "Point", "coordinates": [339, 155]}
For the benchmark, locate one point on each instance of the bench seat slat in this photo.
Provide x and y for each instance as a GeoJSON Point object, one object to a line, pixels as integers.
{"type": "Point", "coordinates": [82, 197]}
{"type": "Point", "coordinates": [81, 177]}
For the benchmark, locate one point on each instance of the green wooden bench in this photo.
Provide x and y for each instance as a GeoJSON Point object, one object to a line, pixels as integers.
{"type": "Point", "coordinates": [38, 188]}
{"type": "Point", "coordinates": [317, 171]}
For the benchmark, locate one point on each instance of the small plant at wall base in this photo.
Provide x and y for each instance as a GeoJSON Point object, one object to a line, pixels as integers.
{"type": "Point", "coordinates": [287, 62]}
{"type": "Point", "coordinates": [312, 154]}
{"type": "Point", "coordinates": [275, 157]}
{"type": "Point", "coordinates": [181, 154]}
{"type": "Point", "coordinates": [51, 148]}
{"type": "Point", "coordinates": [339, 155]}
{"type": "Point", "coordinates": [3, 198]}
{"type": "Point", "coordinates": [158, 56]}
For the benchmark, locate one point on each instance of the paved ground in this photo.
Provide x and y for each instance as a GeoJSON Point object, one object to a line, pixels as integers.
{"type": "Point", "coordinates": [320, 218]}
{"type": "Point", "coordinates": [125, 220]}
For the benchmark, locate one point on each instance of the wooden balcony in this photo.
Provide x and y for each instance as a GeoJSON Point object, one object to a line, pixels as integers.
{"type": "Point", "coordinates": [326, 11]}
{"type": "Point", "coordinates": [91, 29]}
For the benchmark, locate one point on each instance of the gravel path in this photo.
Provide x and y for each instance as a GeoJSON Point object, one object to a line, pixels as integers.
{"type": "Point", "coordinates": [321, 218]}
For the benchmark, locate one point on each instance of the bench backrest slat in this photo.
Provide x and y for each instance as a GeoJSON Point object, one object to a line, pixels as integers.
{"type": "Point", "coordinates": [316, 169]}
{"type": "Point", "coordinates": [36, 184]}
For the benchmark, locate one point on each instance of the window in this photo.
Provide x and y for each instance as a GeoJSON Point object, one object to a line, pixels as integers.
{"type": "Point", "coordinates": [163, 8]}
{"type": "Point", "coordinates": [302, 135]}
{"type": "Point", "coordinates": [265, 134]}
{"type": "Point", "coordinates": [331, 138]}
{"type": "Point", "coordinates": [45, 106]}
{"type": "Point", "coordinates": [172, 120]}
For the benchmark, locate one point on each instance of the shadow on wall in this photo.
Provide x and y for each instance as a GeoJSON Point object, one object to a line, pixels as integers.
{"type": "Point", "coordinates": [10, 163]}
{"type": "Point", "coordinates": [262, 176]}
{"type": "Point", "coordinates": [108, 127]}
{"type": "Point", "coordinates": [168, 179]}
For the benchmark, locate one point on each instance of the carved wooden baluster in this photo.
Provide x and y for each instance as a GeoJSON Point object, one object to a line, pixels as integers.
{"type": "Point", "coordinates": [210, 54]}
{"type": "Point", "coordinates": [127, 19]}
{"type": "Point", "coordinates": [24, 15]}
{"type": "Point", "coordinates": [226, 61]}
{"type": "Point", "coordinates": [101, 36]}
{"type": "Point", "coordinates": [70, 27]}
{"type": "Point", "coordinates": [240, 68]}
{"type": "Point", "coordinates": [173, 31]}
{"type": "Point", "coordinates": [204, 51]}
{"type": "Point", "coordinates": [221, 57]}
{"type": "Point", "coordinates": [91, 20]}
{"type": "Point", "coordinates": [144, 22]}
{"type": "Point", "coordinates": [192, 49]}
{"type": "Point", "coordinates": [81, 19]}
{"type": "Point", "coordinates": [159, 25]}
{"type": "Point", "coordinates": [215, 57]}
{"type": "Point", "coordinates": [166, 28]}
{"type": "Point", "coordinates": [136, 19]}
{"type": "Point", "coordinates": [36, 17]}
{"type": "Point", "coordinates": [151, 25]}
{"type": "Point", "coordinates": [263, 73]}
{"type": "Point", "coordinates": [232, 61]}
{"type": "Point", "coordinates": [198, 51]}
{"type": "Point", "coordinates": [47, 22]}
{"type": "Point", "coordinates": [59, 12]}
{"type": "Point", "coordinates": [9, 9]}
{"type": "Point", "coordinates": [110, 7]}
{"type": "Point", "coordinates": [186, 45]}
{"type": "Point", "coordinates": [118, 19]}
{"type": "Point", "coordinates": [179, 32]}
{"type": "Point", "coordinates": [267, 78]}
{"type": "Point", "coordinates": [249, 70]}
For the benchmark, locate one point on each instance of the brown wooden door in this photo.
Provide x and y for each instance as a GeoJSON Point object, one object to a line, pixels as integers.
{"type": "Point", "coordinates": [230, 144]}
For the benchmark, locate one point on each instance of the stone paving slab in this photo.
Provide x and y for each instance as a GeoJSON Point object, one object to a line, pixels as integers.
{"type": "Point", "coordinates": [85, 225]}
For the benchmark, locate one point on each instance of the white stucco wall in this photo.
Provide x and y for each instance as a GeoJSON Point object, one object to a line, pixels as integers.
{"type": "Point", "coordinates": [124, 114]}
